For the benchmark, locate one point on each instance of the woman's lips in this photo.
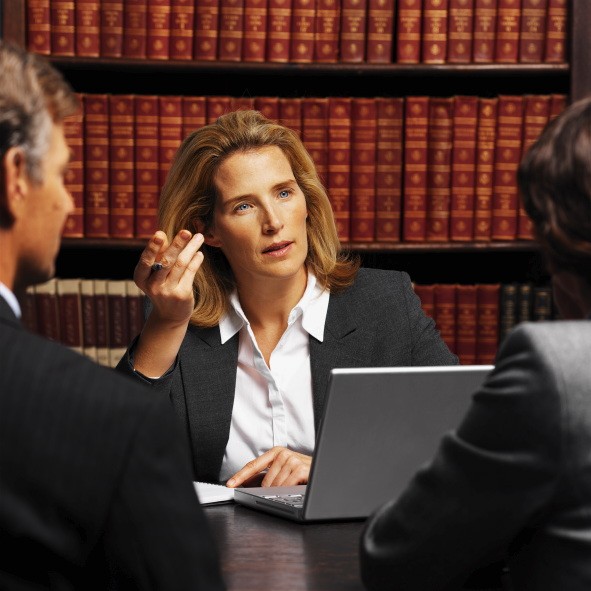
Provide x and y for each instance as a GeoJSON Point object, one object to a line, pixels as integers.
{"type": "Point", "coordinates": [278, 249]}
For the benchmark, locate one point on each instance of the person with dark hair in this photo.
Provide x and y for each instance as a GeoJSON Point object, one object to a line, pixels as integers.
{"type": "Point", "coordinates": [514, 479]}
{"type": "Point", "coordinates": [251, 312]}
{"type": "Point", "coordinates": [95, 482]}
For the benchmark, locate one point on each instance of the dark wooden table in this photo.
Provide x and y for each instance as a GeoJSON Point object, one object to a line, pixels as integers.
{"type": "Point", "coordinates": [261, 552]}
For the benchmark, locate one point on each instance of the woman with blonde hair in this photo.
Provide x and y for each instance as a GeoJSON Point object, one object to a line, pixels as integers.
{"type": "Point", "coordinates": [253, 302]}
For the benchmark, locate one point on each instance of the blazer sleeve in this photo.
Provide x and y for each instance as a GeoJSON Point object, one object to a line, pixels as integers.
{"type": "Point", "coordinates": [488, 481]}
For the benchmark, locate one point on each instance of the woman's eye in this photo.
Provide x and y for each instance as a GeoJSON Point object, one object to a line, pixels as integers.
{"type": "Point", "coordinates": [241, 207]}
{"type": "Point", "coordinates": [285, 193]}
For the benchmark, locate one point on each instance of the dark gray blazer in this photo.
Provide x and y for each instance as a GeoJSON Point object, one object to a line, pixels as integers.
{"type": "Point", "coordinates": [515, 479]}
{"type": "Point", "coordinates": [95, 482]}
{"type": "Point", "coordinates": [376, 322]}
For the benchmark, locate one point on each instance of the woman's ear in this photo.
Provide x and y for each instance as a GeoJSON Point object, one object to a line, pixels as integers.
{"type": "Point", "coordinates": [208, 235]}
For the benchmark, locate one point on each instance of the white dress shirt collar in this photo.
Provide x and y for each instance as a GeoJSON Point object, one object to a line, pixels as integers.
{"type": "Point", "coordinates": [10, 299]}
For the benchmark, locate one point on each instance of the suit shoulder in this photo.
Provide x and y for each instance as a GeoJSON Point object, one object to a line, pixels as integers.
{"type": "Point", "coordinates": [380, 280]}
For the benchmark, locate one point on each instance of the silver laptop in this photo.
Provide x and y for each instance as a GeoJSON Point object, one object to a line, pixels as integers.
{"type": "Point", "coordinates": [379, 426]}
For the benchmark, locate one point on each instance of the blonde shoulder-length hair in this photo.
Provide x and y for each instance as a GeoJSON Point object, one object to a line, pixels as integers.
{"type": "Point", "coordinates": [189, 195]}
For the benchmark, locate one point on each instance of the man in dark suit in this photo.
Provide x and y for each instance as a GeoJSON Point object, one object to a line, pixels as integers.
{"type": "Point", "coordinates": [514, 480]}
{"type": "Point", "coordinates": [95, 483]}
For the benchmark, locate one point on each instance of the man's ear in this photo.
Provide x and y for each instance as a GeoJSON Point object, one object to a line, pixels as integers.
{"type": "Point", "coordinates": [13, 177]}
{"type": "Point", "coordinates": [208, 234]}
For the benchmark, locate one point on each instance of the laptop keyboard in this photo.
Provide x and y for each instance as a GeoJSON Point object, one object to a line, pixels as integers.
{"type": "Point", "coordinates": [296, 501]}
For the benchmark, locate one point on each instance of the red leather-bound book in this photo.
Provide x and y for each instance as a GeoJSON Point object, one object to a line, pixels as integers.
{"type": "Point", "coordinates": [207, 16]}
{"type": "Point", "coordinates": [434, 31]}
{"type": "Point", "coordinates": [170, 121]}
{"type": "Point", "coordinates": [96, 166]}
{"type": "Point", "coordinates": [485, 166]}
{"type": "Point", "coordinates": [194, 114]}
{"type": "Point", "coordinates": [102, 321]}
{"type": "Point", "coordinates": [255, 30]}
{"type": "Point", "coordinates": [74, 181]}
{"type": "Point", "coordinates": [147, 177]}
{"type": "Point", "coordinates": [121, 173]}
{"type": "Point", "coordinates": [279, 31]}
{"type": "Point", "coordinates": [38, 26]}
{"type": "Point", "coordinates": [439, 151]}
{"type": "Point", "coordinates": [380, 31]}
{"type": "Point", "coordinates": [244, 103]}
{"type": "Point", "coordinates": [426, 294]}
{"type": "Point", "coordinates": [158, 29]}
{"type": "Point", "coordinates": [555, 38]}
{"type": "Point", "coordinates": [533, 31]}
{"type": "Point", "coordinates": [408, 26]}
{"type": "Point", "coordinates": [339, 163]}
{"type": "Point", "coordinates": [87, 28]}
{"type": "Point", "coordinates": [466, 323]}
{"type": "Point", "coordinates": [328, 25]}
{"type": "Point", "coordinates": [47, 310]}
{"type": "Point", "coordinates": [353, 31]}
{"type": "Point", "coordinates": [445, 313]}
{"type": "Point", "coordinates": [134, 28]}
{"type": "Point", "coordinates": [487, 339]}
{"type": "Point", "coordinates": [414, 209]}
{"type": "Point", "coordinates": [182, 24]}
{"type": "Point", "coordinates": [88, 317]}
{"type": "Point", "coordinates": [485, 28]}
{"type": "Point", "coordinates": [111, 28]}
{"type": "Point", "coordinates": [62, 20]}
{"type": "Point", "coordinates": [303, 24]}
{"type": "Point", "coordinates": [390, 112]}
{"type": "Point", "coordinates": [70, 313]}
{"type": "Point", "coordinates": [118, 320]}
{"type": "Point", "coordinates": [558, 103]}
{"type": "Point", "coordinates": [290, 113]}
{"type": "Point", "coordinates": [508, 27]}
{"type": "Point", "coordinates": [507, 156]}
{"type": "Point", "coordinates": [363, 169]}
{"type": "Point", "coordinates": [217, 106]}
{"type": "Point", "coordinates": [134, 298]}
{"type": "Point", "coordinates": [460, 31]}
{"type": "Point", "coordinates": [315, 133]}
{"type": "Point", "coordinates": [231, 30]}
{"type": "Point", "coordinates": [268, 106]}
{"type": "Point", "coordinates": [463, 168]}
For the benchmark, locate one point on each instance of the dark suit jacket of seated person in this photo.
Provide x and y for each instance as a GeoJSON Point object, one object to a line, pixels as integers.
{"type": "Point", "coordinates": [373, 317]}
{"type": "Point", "coordinates": [95, 480]}
{"type": "Point", "coordinates": [515, 479]}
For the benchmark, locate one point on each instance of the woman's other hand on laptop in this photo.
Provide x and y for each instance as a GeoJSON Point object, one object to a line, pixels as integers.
{"type": "Point", "coordinates": [283, 467]}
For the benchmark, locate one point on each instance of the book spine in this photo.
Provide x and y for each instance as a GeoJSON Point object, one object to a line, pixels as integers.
{"type": "Point", "coordinates": [268, 106]}
{"type": "Point", "coordinates": [434, 27]}
{"type": "Point", "coordinates": [207, 16]}
{"type": "Point", "coordinates": [445, 313]}
{"type": "Point", "coordinates": [460, 31]}
{"type": "Point", "coordinates": [380, 31]}
{"type": "Point", "coordinates": [255, 30]}
{"type": "Point", "coordinates": [182, 23]}
{"type": "Point", "coordinates": [542, 304]}
{"type": "Point", "coordinates": [70, 313]}
{"type": "Point", "coordinates": [87, 28]}
{"type": "Point", "coordinates": [47, 310]}
{"type": "Point", "coordinates": [231, 30]}
{"type": "Point", "coordinates": [217, 106]}
{"type": "Point", "coordinates": [555, 37]}
{"type": "Point", "coordinates": [487, 340]}
{"type": "Point", "coordinates": [327, 32]}
{"type": "Point", "coordinates": [121, 174]}
{"type": "Point", "coordinates": [439, 149]}
{"type": "Point", "coordinates": [170, 123]}
{"type": "Point", "coordinates": [194, 114]}
{"type": "Point", "coordinates": [290, 114]}
{"type": "Point", "coordinates": [302, 31]}
{"type": "Point", "coordinates": [416, 127]}
{"type": "Point", "coordinates": [363, 169]}
{"type": "Point", "coordinates": [533, 31]}
{"type": "Point", "coordinates": [408, 25]}
{"type": "Point", "coordinates": [485, 27]}
{"type": "Point", "coordinates": [118, 320]}
{"type": "Point", "coordinates": [134, 297]}
{"type": "Point", "coordinates": [28, 310]}
{"type": "Point", "coordinates": [339, 163]}
{"type": "Point", "coordinates": [102, 321]}
{"type": "Point", "coordinates": [426, 294]}
{"type": "Point", "coordinates": [463, 168]}
{"type": "Point", "coordinates": [485, 166]}
{"type": "Point", "coordinates": [242, 103]}
{"type": "Point", "coordinates": [508, 27]}
{"type": "Point", "coordinates": [508, 309]}
{"type": "Point", "coordinates": [524, 302]}
{"type": "Point", "coordinates": [39, 26]}
{"type": "Point", "coordinates": [466, 323]}
{"type": "Point", "coordinates": [135, 16]}
{"type": "Point", "coordinates": [279, 31]}
{"type": "Point", "coordinates": [507, 155]}
{"type": "Point", "coordinates": [158, 29]}
{"type": "Point", "coordinates": [558, 103]}
{"type": "Point", "coordinates": [88, 315]}
{"type": "Point", "coordinates": [62, 20]}
{"type": "Point", "coordinates": [74, 180]}
{"type": "Point", "coordinates": [111, 28]}
{"type": "Point", "coordinates": [96, 165]}
{"type": "Point", "coordinates": [353, 26]}
{"type": "Point", "coordinates": [389, 168]}
{"type": "Point", "coordinates": [315, 133]}
{"type": "Point", "coordinates": [147, 178]}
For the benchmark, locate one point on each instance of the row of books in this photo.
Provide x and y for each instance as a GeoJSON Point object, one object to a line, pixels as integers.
{"type": "Point", "coordinates": [474, 319]}
{"type": "Point", "coordinates": [414, 169]}
{"type": "Point", "coordinates": [303, 31]}
{"type": "Point", "coordinates": [96, 317]}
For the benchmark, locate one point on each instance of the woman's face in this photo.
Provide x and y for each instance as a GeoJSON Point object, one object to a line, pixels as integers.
{"type": "Point", "coordinates": [260, 217]}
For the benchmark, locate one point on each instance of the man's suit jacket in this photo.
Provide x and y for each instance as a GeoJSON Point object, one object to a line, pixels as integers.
{"type": "Point", "coordinates": [515, 479]}
{"type": "Point", "coordinates": [377, 322]}
{"type": "Point", "coordinates": [95, 481]}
